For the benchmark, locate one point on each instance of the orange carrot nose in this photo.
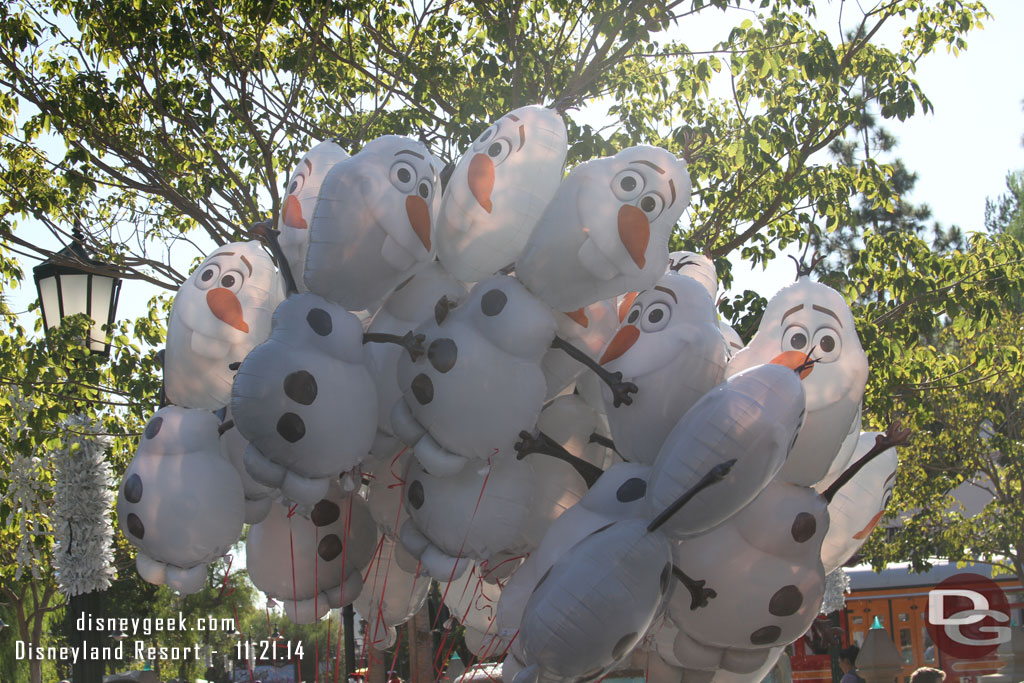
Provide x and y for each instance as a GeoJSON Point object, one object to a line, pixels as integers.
{"type": "Point", "coordinates": [226, 306]}
{"type": "Point", "coordinates": [635, 233]}
{"type": "Point", "coordinates": [579, 316]}
{"type": "Point", "coordinates": [620, 343]}
{"type": "Point", "coordinates": [793, 360]}
{"type": "Point", "coordinates": [419, 218]}
{"type": "Point", "coordinates": [866, 531]}
{"type": "Point", "coordinates": [292, 213]}
{"type": "Point", "coordinates": [626, 302]}
{"type": "Point", "coordinates": [481, 180]}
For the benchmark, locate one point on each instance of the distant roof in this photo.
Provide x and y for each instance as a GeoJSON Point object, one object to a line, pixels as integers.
{"type": "Point", "coordinates": [900, 576]}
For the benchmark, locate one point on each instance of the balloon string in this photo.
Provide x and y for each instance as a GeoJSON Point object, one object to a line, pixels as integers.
{"type": "Point", "coordinates": [490, 646]}
{"type": "Point", "coordinates": [465, 536]}
{"type": "Point", "coordinates": [248, 664]}
{"type": "Point", "coordinates": [394, 660]}
{"type": "Point", "coordinates": [316, 599]}
{"type": "Point", "coordinates": [295, 585]}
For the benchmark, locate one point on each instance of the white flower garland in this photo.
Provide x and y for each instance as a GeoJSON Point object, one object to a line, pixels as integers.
{"type": "Point", "coordinates": [27, 494]}
{"type": "Point", "coordinates": [83, 555]}
{"type": "Point", "coordinates": [837, 585]}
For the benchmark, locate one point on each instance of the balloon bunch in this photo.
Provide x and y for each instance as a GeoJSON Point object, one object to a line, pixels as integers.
{"type": "Point", "coordinates": [548, 417]}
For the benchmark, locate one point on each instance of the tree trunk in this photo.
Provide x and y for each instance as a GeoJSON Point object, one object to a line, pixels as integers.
{"type": "Point", "coordinates": [421, 653]}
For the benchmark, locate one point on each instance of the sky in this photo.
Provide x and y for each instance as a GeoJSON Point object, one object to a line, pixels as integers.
{"type": "Point", "coordinates": [961, 151]}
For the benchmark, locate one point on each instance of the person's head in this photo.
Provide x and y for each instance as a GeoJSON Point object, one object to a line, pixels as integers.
{"type": "Point", "coordinates": [848, 657]}
{"type": "Point", "coordinates": [927, 674]}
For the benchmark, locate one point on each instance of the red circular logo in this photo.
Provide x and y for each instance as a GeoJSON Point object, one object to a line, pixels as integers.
{"type": "Point", "coordinates": [968, 616]}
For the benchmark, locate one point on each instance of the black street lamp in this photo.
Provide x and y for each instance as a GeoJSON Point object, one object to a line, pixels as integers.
{"type": "Point", "coordinates": [69, 284]}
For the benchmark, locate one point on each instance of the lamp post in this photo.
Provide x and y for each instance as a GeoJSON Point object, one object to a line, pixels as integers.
{"type": "Point", "coordinates": [70, 284]}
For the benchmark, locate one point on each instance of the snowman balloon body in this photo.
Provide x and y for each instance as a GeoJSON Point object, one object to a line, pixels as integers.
{"type": "Point", "coordinates": [180, 502]}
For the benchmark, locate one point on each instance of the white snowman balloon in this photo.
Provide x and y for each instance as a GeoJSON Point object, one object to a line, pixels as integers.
{"type": "Point", "coordinates": [764, 565]}
{"type": "Point", "coordinates": [305, 399]}
{"type": "Point", "coordinates": [220, 313]}
{"type": "Point", "coordinates": [299, 203]}
{"type": "Point", "coordinates": [732, 339]}
{"type": "Point", "coordinates": [696, 266]}
{"type": "Point", "coordinates": [480, 382]}
{"type": "Point", "coordinates": [390, 595]}
{"type": "Point", "coordinates": [670, 346]}
{"type": "Point", "coordinates": [311, 563]}
{"type": "Point", "coordinates": [180, 503]}
{"type": "Point", "coordinates": [498, 190]}
{"type": "Point", "coordinates": [859, 504]}
{"type": "Point", "coordinates": [233, 447]}
{"type": "Point", "coordinates": [413, 301]}
{"type": "Point", "coordinates": [606, 230]}
{"type": "Point", "coordinates": [812, 319]}
{"type": "Point", "coordinates": [752, 418]}
{"type": "Point", "coordinates": [374, 220]}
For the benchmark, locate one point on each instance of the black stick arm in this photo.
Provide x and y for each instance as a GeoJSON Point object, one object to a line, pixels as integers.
{"type": "Point", "coordinates": [715, 475]}
{"type": "Point", "coordinates": [545, 445]}
{"type": "Point", "coordinates": [620, 390]}
{"type": "Point", "coordinates": [225, 427]}
{"type": "Point", "coordinates": [893, 436]}
{"type": "Point", "coordinates": [699, 595]}
{"type": "Point", "coordinates": [602, 440]}
{"type": "Point", "coordinates": [266, 233]}
{"type": "Point", "coordinates": [413, 343]}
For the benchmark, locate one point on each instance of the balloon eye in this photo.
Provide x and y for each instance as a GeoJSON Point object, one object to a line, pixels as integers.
{"type": "Point", "coordinates": [658, 315]}
{"type": "Point", "coordinates": [634, 315]}
{"type": "Point", "coordinates": [499, 150]}
{"type": "Point", "coordinates": [424, 190]}
{"type": "Point", "coordinates": [652, 204]}
{"type": "Point", "coordinates": [208, 276]}
{"type": "Point", "coordinates": [486, 135]}
{"type": "Point", "coordinates": [627, 185]}
{"type": "Point", "coordinates": [297, 182]}
{"type": "Point", "coordinates": [403, 177]}
{"type": "Point", "coordinates": [795, 338]}
{"type": "Point", "coordinates": [232, 280]}
{"type": "Point", "coordinates": [828, 344]}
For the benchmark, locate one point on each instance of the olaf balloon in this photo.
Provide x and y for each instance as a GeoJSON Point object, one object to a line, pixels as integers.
{"type": "Point", "coordinates": [180, 502]}
{"type": "Point", "coordinates": [858, 506]}
{"type": "Point", "coordinates": [697, 266]}
{"type": "Point", "coordinates": [390, 595]}
{"type": "Point", "coordinates": [812, 319]}
{"type": "Point", "coordinates": [312, 564]}
{"type": "Point", "coordinates": [767, 574]}
{"type": "Point", "coordinates": [220, 313]}
{"type": "Point", "coordinates": [305, 399]}
{"type": "Point", "coordinates": [753, 418]}
{"type": "Point", "coordinates": [373, 221]}
{"type": "Point", "coordinates": [412, 302]}
{"type": "Point", "coordinates": [299, 203]}
{"type": "Point", "coordinates": [671, 346]}
{"type": "Point", "coordinates": [606, 230]}
{"type": "Point", "coordinates": [233, 447]}
{"type": "Point", "coordinates": [480, 383]}
{"type": "Point", "coordinates": [498, 190]}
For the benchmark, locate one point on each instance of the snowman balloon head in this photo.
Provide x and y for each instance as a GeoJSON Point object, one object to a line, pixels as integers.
{"type": "Point", "coordinates": [812, 319]}
{"type": "Point", "coordinates": [606, 230]}
{"type": "Point", "coordinates": [374, 220]}
{"type": "Point", "coordinates": [300, 201]}
{"type": "Point", "coordinates": [498, 190]}
{"type": "Point", "coordinates": [220, 313]}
